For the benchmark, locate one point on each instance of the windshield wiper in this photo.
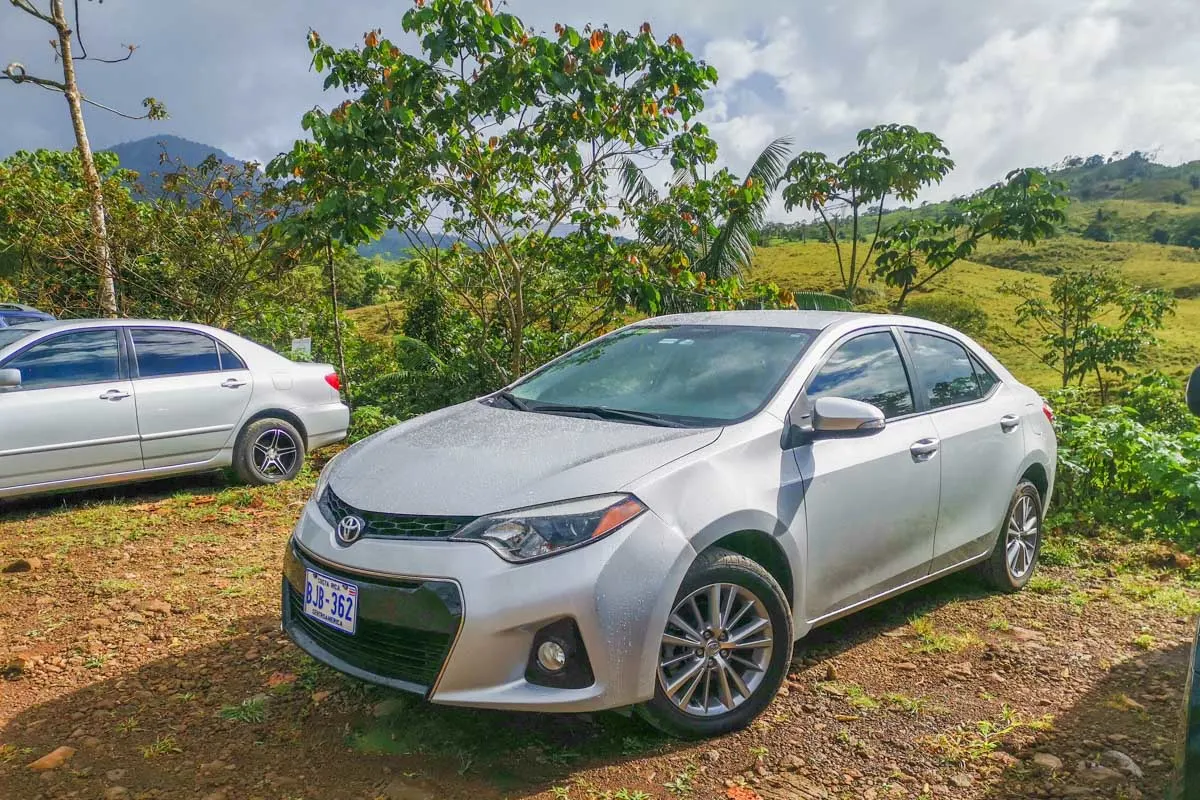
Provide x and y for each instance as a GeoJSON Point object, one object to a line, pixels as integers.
{"type": "Point", "coordinates": [616, 414]}
{"type": "Point", "coordinates": [513, 400]}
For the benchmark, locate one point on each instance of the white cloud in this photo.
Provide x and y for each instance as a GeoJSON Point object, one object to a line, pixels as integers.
{"type": "Point", "coordinates": [1005, 84]}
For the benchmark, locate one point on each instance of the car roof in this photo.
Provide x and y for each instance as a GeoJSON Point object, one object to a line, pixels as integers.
{"type": "Point", "coordinates": [74, 324]}
{"type": "Point", "coordinates": [781, 318]}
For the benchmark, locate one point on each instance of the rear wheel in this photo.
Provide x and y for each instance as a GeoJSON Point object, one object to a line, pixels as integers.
{"type": "Point", "coordinates": [268, 451]}
{"type": "Point", "coordinates": [1014, 558]}
{"type": "Point", "coordinates": [725, 650]}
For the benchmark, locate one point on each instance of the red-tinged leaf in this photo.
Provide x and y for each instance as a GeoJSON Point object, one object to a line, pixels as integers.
{"type": "Point", "coordinates": [371, 38]}
{"type": "Point", "coordinates": [742, 793]}
{"type": "Point", "coordinates": [597, 41]}
{"type": "Point", "coordinates": [486, 5]}
{"type": "Point", "coordinates": [675, 41]}
{"type": "Point", "coordinates": [646, 28]}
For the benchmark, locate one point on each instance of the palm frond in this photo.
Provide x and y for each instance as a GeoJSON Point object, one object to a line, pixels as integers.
{"type": "Point", "coordinates": [733, 250]}
{"type": "Point", "coordinates": [772, 163]}
{"type": "Point", "coordinates": [819, 301]}
{"type": "Point", "coordinates": [635, 186]}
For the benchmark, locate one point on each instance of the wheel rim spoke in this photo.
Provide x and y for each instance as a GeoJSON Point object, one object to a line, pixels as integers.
{"type": "Point", "coordinates": [694, 637]}
{"type": "Point", "coordinates": [749, 630]}
{"type": "Point", "coordinates": [723, 687]}
{"type": "Point", "coordinates": [675, 641]}
{"type": "Point", "coordinates": [714, 606]}
{"type": "Point", "coordinates": [687, 675]}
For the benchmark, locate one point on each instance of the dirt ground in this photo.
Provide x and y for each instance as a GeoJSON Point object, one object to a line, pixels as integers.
{"type": "Point", "coordinates": [145, 638]}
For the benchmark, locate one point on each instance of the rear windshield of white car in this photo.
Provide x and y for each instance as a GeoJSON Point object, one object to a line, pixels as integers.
{"type": "Point", "coordinates": [690, 374]}
{"type": "Point", "coordinates": [10, 335]}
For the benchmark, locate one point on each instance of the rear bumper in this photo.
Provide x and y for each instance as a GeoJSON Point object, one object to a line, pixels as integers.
{"type": "Point", "coordinates": [325, 424]}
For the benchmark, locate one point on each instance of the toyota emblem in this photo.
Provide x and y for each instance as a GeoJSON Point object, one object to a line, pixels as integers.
{"type": "Point", "coordinates": [350, 529]}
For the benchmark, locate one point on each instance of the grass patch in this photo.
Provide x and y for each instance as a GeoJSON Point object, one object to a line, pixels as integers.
{"type": "Point", "coordinates": [966, 744]}
{"type": "Point", "coordinates": [932, 641]}
{"type": "Point", "coordinates": [1044, 584]}
{"type": "Point", "coordinates": [253, 709]}
{"type": "Point", "coordinates": [115, 586]}
{"type": "Point", "coordinates": [909, 705]}
{"type": "Point", "coordinates": [161, 746]}
{"type": "Point", "coordinates": [1143, 641]}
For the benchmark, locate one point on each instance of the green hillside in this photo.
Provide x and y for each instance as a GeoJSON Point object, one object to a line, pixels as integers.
{"type": "Point", "coordinates": [813, 266]}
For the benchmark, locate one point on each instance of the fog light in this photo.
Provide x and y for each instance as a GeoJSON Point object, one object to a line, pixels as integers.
{"type": "Point", "coordinates": [551, 656]}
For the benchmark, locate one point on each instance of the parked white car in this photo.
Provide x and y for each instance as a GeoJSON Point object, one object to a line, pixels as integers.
{"type": "Point", "coordinates": [91, 402]}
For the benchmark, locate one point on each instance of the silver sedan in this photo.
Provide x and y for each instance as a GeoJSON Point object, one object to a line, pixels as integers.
{"type": "Point", "coordinates": [91, 402]}
{"type": "Point", "coordinates": [654, 518]}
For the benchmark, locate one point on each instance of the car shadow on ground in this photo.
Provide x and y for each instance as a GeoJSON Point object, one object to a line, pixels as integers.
{"type": "Point", "coordinates": [1136, 709]}
{"type": "Point", "coordinates": [253, 715]}
{"type": "Point", "coordinates": [15, 509]}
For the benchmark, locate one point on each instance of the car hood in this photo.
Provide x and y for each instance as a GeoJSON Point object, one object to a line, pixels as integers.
{"type": "Point", "coordinates": [474, 459]}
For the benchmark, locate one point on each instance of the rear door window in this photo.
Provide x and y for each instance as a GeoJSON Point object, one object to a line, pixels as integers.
{"type": "Point", "coordinates": [161, 352]}
{"type": "Point", "coordinates": [944, 369]}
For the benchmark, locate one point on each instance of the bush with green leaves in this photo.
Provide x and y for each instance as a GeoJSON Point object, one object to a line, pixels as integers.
{"type": "Point", "coordinates": [1133, 468]}
{"type": "Point", "coordinates": [368, 420]}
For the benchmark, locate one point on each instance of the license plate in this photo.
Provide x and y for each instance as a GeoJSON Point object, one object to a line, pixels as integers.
{"type": "Point", "coordinates": [330, 601]}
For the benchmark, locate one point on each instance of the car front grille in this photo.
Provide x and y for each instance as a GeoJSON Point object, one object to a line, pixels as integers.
{"type": "Point", "coordinates": [381, 525]}
{"type": "Point", "coordinates": [402, 654]}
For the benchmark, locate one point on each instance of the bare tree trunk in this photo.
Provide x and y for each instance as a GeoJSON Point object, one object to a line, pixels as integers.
{"type": "Point", "coordinates": [337, 319]}
{"type": "Point", "coordinates": [101, 253]}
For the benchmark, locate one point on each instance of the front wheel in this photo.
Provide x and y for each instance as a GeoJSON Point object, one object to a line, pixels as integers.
{"type": "Point", "coordinates": [1015, 556]}
{"type": "Point", "coordinates": [725, 650]}
{"type": "Point", "coordinates": [268, 451]}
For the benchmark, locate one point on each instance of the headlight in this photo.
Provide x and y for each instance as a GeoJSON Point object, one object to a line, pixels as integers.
{"type": "Point", "coordinates": [544, 530]}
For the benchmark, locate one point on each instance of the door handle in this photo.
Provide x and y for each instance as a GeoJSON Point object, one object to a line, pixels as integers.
{"type": "Point", "coordinates": [114, 394]}
{"type": "Point", "coordinates": [924, 449]}
{"type": "Point", "coordinates": [1009, 423]}
{"type": "Point", "coordinates": [232, 383]}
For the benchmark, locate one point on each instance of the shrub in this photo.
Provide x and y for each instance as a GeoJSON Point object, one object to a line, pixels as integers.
{"type": "Point", "coordinates": [368, 420]}
{"type": "Point", "coordinates": [960, 313]}
{"type": "Point", "coordinates": [1115, 470]}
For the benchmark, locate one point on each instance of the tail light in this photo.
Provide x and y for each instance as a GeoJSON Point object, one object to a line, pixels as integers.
{"type": "Point", "coordinates": [333, 380]}
{"type": "Point", "coordinates": [1049, 412]}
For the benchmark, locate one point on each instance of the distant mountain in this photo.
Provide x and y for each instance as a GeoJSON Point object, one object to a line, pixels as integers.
{"type": "Point", "coordinates": [146, 157]}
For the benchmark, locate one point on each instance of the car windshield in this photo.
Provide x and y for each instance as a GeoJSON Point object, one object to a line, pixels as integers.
{"type": "Point", "coordinates": [10, 335]}
{"type": "Point", "coordinates": [691, 374]}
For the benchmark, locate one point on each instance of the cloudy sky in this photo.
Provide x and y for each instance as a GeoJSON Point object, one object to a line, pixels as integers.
{"type": "Point", "coordinates": [1006, 83]}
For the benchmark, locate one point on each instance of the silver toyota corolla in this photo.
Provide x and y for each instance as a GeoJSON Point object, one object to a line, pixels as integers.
{"type": "Point", "coordinates": [91, 402]}
{"type": "Point", "coordinates": [652, 519]}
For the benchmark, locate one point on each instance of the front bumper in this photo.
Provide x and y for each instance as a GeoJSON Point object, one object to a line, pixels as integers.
{"type": "Point", "coordinates": [617, 592]}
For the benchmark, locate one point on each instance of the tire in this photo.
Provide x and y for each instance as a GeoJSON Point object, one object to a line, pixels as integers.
{"type": "Point", "coordinates": [756, 597]}
{"type": "Point", "coordinates": [268, 451]}
{"type": "Point", "coordinates": [1023, 522]}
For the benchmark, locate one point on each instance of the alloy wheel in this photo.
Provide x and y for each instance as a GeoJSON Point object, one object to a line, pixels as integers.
{"type": "Point", "coordinates": [1024, 527]}
{"type": "Point", "coordinates": [715, 650]}
{"type": "Point", "coordinates": [275, 453]}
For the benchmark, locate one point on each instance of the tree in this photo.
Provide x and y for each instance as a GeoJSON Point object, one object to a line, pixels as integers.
{"type": "Point", "coordinates": [710, 220]}
{"type": "Point", "coordinates": [492, 149]}
{"type": "Point", "coordinates": [892, 161]}
{"type": "Point", "coordinates": [1026, 207]}
{"type": "Point", "coordinates": [1092, 323]}
{"type": "Point", "coordinates": [69, 88]}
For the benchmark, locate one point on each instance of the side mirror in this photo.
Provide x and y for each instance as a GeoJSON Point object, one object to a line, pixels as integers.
{"type": "Point", "coordinates": [1193, 392]}
{"type": "Point", "coordinates": [840, 416]}
{"type": "Point", "coordinates": [10, 378]}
